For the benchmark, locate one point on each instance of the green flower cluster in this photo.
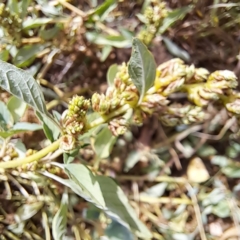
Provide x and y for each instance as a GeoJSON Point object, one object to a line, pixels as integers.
{"type": "Point", "coordinates": [74, 121]}
{"type": "Point", "coordinates": [198, 87]}
{"type": "Point", "coordinates": [153, 17]}
{"type": "Point", "coordinates": [11, 23]}
{"type": "Point", "coordinates": [122, 92]}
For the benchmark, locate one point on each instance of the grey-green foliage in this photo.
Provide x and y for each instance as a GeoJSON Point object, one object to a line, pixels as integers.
{"type": "Point", "coordinates": [141, 67]}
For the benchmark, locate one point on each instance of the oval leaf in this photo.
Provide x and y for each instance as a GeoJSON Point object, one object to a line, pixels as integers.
{"type": "Point", "coordinates": [34, 23]}
{"type": "Point", "coordinates": [104, 143]}
{"type": "Point", "coordinates": [25, 126]}
{"type": "Point", "coordinates": [84, 178]}
{"type": "Point", "coordinates": [111, 40]}
{"type": "Point", "coordinates": [105, 52]}
{"type": "Point", "coordinates": [27, 54]}
{"type": "Point", "coordinates": [17, 107]}
{"type": "Point", "coordinates": [119, 208]}
{"type": "Point", "coordinates": [174, 16]}
{"type": "Point", "coordinates": [20, 127]}
{"type": "Point", "coordinates": [175, 50]}
{"type": "Point", "coordinates": [141, 67]}
{"type": "Point", "coordinates": [116, 231]}
{"type": "Point", "coordinates": [22, 85]}
{"type": "Point", "coordinates": [111, 74]}
{"type": "Point", "coordinates": [5, 116]}
{"type": "Point", "coordinates": [50, 127]}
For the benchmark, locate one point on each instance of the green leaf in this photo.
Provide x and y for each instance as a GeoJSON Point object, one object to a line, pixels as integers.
{"type": "Point", "coordinates": [68, 157]}
{"type": "Point", "coordinates": [114, 41]}
{"type": "Point", "coordinates": [104, 143]}
{"type": "Point", "coordinates": [13, 6]}
{"type": "Point", "coordinates": [59, 223]}
{"type": "Point", "coordinates": [111, 74]}
{"type": "Point", "coordinates": [173, 16]}
{"type": "Point", "coordinates": [232, 170]}
{"type": "Point", "coordinates": [141, 67]}
{"type": "Point", "coordinates": [24, 7]}
{"type": "Point", "coordinates": [220, 160]}
{"type": "Point", "coordinates": [119, 209]}
{"type": "Point", "coordinates": [27, 54]}
{"type": "Point", "coordinates": [4, 55]}
{"type": "Point", "coordinates": [17, 107]}
{"type": "Point", "coordinates": [142, 18]}
{"type": "Point", "coordinates": [92, 212]}
{"type": "Point", "coordinates": [233, 150]}
{"type": "Point", "coordinates": [50, 10]}
{"type": "Point", "coordinates": [132, 159]}
{"type": "Point", "coordinates": [5, 115]}
{"type": "Point", "coordinates": [20, 148]}
{"type": "Point", "coordinates": [48, 34]}
{"type": "Point", "coordinates": [34, 23]}
{"type": "Point", "coordinates": [20, 127]}
{"type": "Point", "coordinates": [214, 197]}
{"type": "Point", "coordinates": [126, 33]}
{"type": "Point", "coordinates": [57, 116]}
{"type": "Point", "coordinates": [22, 85]}
{"type": "Point", "coordinates": [116, 231]}
{"type": "Point", "coordinates": [83, 177]}
{"type": "Point", "coordinates": [175, 50]}
{"type": "Point", "coordinates": [222, 209]}
{"type": "Point", "coordinates": [105, 52]}
{"type": "Point", "coordinates": [7, 133]}
{"type": "Point", "coordinates": [25, 126]}
{"type": "Point", "coordinates": [206, 151]}
{"type": "Point", "coordinates": [77, 188]}
{"type": "Point", "coordinates": [50, 127]}
{"type": "Point", "coordinates": [103, 10]}
{"type": "Point", "coordinates": [27, 211]}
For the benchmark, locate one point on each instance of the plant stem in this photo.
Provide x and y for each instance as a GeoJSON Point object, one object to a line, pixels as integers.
{"type": "Point", "coordinates": [104, 119]}
{"type": "Point", "coordinates": [54, 146]}
{"type": "Point", "coordinates": [35, 157]}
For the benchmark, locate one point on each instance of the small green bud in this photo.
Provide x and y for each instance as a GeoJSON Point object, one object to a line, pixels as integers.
{"type": "Point", "coordinates": [104, 106]}
{"type": "Point", "coordinates": [78, 107]}
{"type": "Point", "coordinates": [96, 98]}
{"type": "Point", "coordinates": [114, 103]}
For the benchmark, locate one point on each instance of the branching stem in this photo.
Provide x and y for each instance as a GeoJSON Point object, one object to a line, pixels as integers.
{"type": "Point", "coordinates": [35, 157]}
{"type": "Point", "coordinates": [54, 146]}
